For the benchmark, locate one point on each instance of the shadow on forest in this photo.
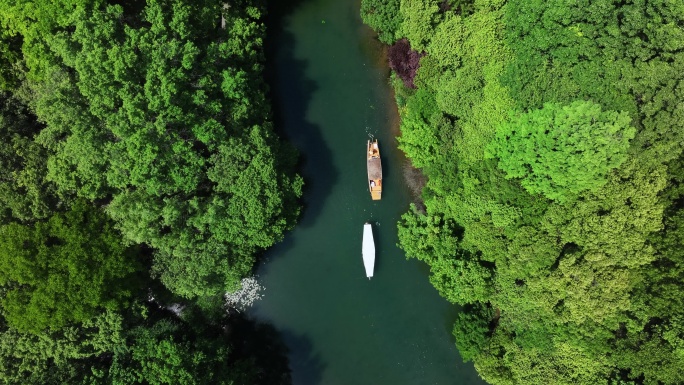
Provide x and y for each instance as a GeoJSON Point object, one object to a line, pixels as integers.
{"type": "Point", "coordinates": [290, 91]}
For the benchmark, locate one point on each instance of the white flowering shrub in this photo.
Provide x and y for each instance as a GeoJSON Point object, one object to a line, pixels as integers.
{"type": "Point", "coordinates": [249, 292]}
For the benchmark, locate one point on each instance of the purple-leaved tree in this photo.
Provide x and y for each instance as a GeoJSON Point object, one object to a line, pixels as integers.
{"type": "Point", "coordinates": [404, 61]}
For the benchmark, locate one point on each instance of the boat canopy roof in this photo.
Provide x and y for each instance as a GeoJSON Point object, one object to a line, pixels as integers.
{"type": "Point", "coordinates": [374, 169]}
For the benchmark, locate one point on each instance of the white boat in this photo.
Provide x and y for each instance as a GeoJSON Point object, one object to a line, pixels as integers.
{"type": "Point", "coordinates": [368, 250]}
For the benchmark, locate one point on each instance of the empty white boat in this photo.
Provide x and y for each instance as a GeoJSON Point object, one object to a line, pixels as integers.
{"type": "Point", "coordinates": [368, 250]}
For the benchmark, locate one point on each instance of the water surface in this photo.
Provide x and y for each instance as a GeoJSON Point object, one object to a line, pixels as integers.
{"type": "Point", "coordinates": [331, 95]}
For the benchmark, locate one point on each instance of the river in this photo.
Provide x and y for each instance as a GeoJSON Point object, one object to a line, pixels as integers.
{"type": "Point", "coordinates": [331, 94]}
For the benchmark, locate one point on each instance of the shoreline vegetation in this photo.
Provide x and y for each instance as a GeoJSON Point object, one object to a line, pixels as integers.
{"type": "Point", "coordinates": [141, 177]}
{"type": "Point", "coordinates": [414, 178]}
{"type": "Point", "coordinates": [550, 135]}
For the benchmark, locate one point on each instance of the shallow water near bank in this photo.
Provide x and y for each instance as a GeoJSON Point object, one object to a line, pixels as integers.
{"type": "Point", "coordinates": [331, 95]}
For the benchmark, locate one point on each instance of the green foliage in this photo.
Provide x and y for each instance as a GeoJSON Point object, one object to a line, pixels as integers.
{"type": "Point", "coordinates": [60, 357]}
{"type": "Point", "coordinates": [614, 54]}
{"type": "Point", "coordinates": [466, 58]}
{"type": "Point", "coordinates": [70, 134]}
{"type": "Point", "coordinates": [383, 16]}
{"type": "Point", "coordinates": [161, 354]}
{"type": "Point", "coordinates": [460, 278]}
{"type": "Point", "coordinates": [158, 112]}
{"type": "Point", "coordinates": [63, 270]}
{"type": "Point", "coordinates": [655, 354]}
{"type": "Point", "coordinates": [471, 331]}
{"type": "Point", "coordinates": [25, 193]}
{"type": "Point", "coordinates": [135, 137]}
{"type": "Point", "coordinates": [148, 347]}
{"type": "Point", "coordinates": [568, 364]}
{"type": "Point", "coordinates": [421, 129]}
{"type": "Point", "coordinates": [560, 151]}
{"type": "Point", "coordinates": [207, 245]}
{"type": "Point", "coordinates": [170, 351]}
{"type": "Point", "coordinates": [418, 19]}
{"type": "Point", "coordinates": [561, 231]}
{"type": "Point", "coordinates": [652, 342]}
{"type": "Point", "coordinates": [10, 55]}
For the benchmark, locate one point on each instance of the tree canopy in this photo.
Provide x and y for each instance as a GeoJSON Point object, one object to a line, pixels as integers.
{"type": "Point", "coordinates": [161, 113]}
{"type": "Point", "coordinates": [551, 133]}
{"type": "Point", "coordinates": [64, 270]}
{"type": "Point", "coordinates": [560, 151]}
{"type": "Point", "coordinates": [140, 177]}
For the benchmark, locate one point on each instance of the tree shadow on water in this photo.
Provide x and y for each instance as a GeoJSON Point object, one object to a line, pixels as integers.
{"type": "Point", "coordinates": [307, 367]}
{"type": "Point", "coordinates": [291, 91]}
{"type": "Point", "coordinates": [387, 166]}
{"type": "Point", "coordinates": [261, 344]}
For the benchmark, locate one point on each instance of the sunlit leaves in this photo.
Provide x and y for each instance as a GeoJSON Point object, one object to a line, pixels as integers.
{"type": "Point", "coordinates": [560, 151]}
{"type": "Point", "coordinates": [64, 270]}
{"type": "Point", "coordinates": [582, 278]}
{"type": "Point", "coordinates": [163, 115]}
{"type": "Point", "coordinates": [419, 18]}
{"type": "Point", "coordinates": [383, 16]}
{"type": "Point", "coordinates": [152, 114]}
{"type": "Point", "coordinates": [459, 276]}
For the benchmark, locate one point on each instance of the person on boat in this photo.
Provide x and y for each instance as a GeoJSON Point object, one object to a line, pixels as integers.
{"type": "Point", "coordinates": [372, 183]}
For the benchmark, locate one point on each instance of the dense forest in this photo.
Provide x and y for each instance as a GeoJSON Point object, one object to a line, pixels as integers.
{"type": "Point", "coordinates": [550, 134]}
{"type": "Point", "coordinates": [140, 177]}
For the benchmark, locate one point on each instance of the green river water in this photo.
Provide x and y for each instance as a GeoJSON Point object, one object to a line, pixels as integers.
{"type": "Point", "coordinates": [331, 94]}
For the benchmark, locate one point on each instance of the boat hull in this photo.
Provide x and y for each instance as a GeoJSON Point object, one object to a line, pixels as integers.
{"type": "Point", "coordinates": [368, 250]}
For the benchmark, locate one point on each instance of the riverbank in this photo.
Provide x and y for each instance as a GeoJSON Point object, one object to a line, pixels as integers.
{"type": "Point", "coordinates": [331, 92]}
{"type": "Point", "coordinates": [414, 179]}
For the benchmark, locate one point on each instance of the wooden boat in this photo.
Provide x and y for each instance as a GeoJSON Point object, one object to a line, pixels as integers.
{"type": "Point", "coordinates": [374, 170]}
{"type": "Point", "coordinates": [368, 250]}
